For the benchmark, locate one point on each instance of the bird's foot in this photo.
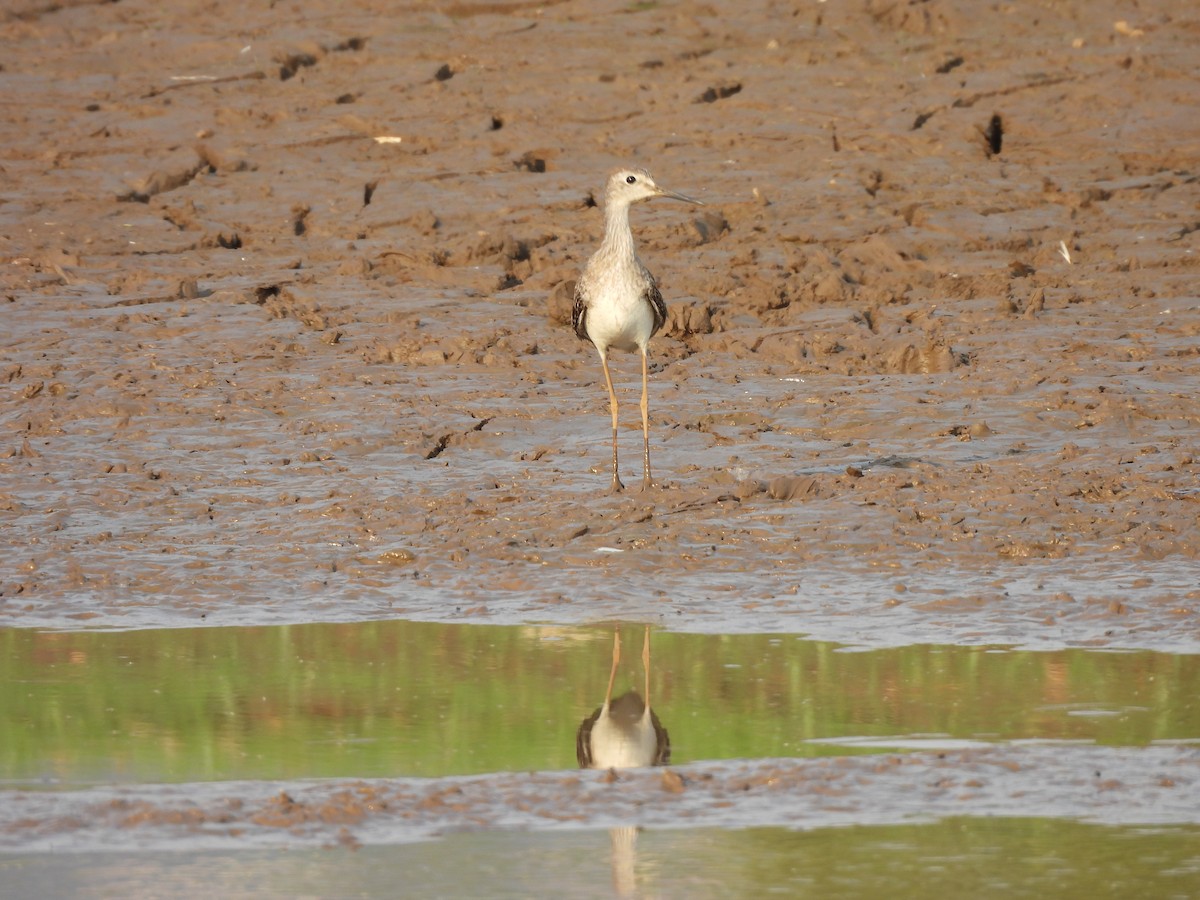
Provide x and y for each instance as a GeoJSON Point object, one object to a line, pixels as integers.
{"type": "Point", "coordinates": [616, 487]}
{"type": "Point", "coordinates": [647, 484]}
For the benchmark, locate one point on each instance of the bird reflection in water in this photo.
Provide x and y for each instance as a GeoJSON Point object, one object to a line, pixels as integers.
{"type": "Point", "coordinates": [621, 734]}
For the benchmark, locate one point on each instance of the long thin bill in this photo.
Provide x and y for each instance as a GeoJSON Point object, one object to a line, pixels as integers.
{"type": "Point", "coordinates": [663, 192]}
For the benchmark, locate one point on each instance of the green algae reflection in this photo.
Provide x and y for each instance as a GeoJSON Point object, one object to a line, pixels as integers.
{"type": "Point", "coordinates": [400, 698]}
{"type": "Point", "coordinates": [969, 857]}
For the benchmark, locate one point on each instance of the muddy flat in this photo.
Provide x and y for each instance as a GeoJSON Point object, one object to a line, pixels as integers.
{"type": "Point", "coordinates": [286, 339]}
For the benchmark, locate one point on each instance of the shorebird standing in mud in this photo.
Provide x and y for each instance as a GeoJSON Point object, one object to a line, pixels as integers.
{"type": "Point", "coordinates": [617, 301]}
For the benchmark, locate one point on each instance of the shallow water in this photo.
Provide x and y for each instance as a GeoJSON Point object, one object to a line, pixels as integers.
{"type": "Point", "coordinates": [978, 768]}
{"type": "Point", "coordinates": [396, 699]}
{"type": "Point", "coordinates": [240, 390]}
{"type": "Point", "coordinates": [1012, 857]}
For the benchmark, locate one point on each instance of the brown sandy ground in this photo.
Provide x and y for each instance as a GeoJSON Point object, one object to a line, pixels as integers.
{"type": "Point", "coordinates": [284, 291]}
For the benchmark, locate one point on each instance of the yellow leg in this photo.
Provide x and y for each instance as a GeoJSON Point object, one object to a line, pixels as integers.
{"type": "Point", "coordinates": [646, 664]}
{"type": "Point", "coordinates": [612, 675]}
{"type": "Point", "coordinates": [646, 480]}
{"type": "Point", "coordinates": [617, 487]}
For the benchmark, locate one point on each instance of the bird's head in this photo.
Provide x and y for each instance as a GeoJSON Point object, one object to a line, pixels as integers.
{"type": "Point", "coordinates": [628, 186]}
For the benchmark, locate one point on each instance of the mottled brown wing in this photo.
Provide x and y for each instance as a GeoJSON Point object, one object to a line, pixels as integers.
{"type": "Point", "coordinates": [583, 740]}
{"type": "Point", "coordinates": [579, 312]}
{"type": "Point", "coordinates": [654, 297]}
{"type": "Point", "coordinates": [662, 752]}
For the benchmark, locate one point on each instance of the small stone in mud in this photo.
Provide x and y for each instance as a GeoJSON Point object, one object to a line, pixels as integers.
{"type": "Point", "coordinates": [672, 782]}
{"type": "Point", "coordinates": [399, 557]}
{"type": "Point", "coordinates": [444, 73]}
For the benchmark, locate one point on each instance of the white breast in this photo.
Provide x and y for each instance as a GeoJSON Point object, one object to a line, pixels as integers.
{"type": "Point", "coordinates": [620, 318]}
{"type": "Point", "coordinates": [614, 747]}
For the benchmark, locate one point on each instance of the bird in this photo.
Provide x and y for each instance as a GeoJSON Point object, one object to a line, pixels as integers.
{"type": "Point", "coordinates": [617, 301]}
{"type": "Point", "coordinates": [625, 732]}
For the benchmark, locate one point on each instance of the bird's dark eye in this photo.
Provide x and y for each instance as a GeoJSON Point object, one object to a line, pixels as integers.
{"type": "Point", "coordinates": [631, 179]}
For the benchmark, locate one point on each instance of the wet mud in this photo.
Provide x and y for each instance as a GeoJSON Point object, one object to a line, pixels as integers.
{"type": "Point", "coordinates": [285, 297]}
{"type": "Point", "coordinates": [1096, 784]}
{"type": "Point", "coordinates": [285, 319]}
